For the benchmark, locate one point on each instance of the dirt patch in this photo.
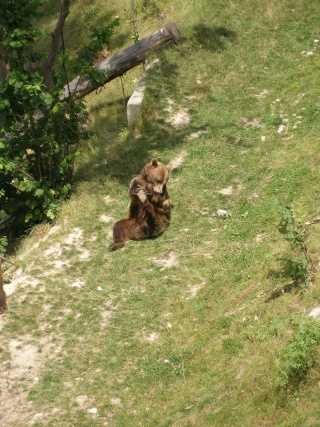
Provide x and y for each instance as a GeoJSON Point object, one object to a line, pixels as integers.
{"type": "Point", "coordinates": [106, 218]}
{"type": "Point", "coordinates": [177, 161]}
{"type": "Point", "coordinates": [178, 116]}
{"type": "Point", "coordinates": [168, 262]}
{"type": "Point", "coordinates": [194, 289]}
{"type": "Point", "coordinates": [19, 372]}
{"type": "Point", "coordinates": [255, 123]}
{"type": "Point", "coordinates": [226, 191]}
{"type": "Point", "coordinates": [198, 133]}
{"type": "Point", "coordinates": [74, 237]}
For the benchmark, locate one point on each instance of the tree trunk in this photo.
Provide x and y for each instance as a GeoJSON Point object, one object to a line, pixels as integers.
{"type": "Point", "coordinates": [123, 61]}
{"type": "Point", "coordinates": [54, 49]}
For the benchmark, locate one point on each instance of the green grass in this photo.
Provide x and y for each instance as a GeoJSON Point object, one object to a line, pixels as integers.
{"type": "Point", "coordinates": [195, 343]}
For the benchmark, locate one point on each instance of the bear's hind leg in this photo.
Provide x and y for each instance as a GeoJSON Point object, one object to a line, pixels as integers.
{"type": "Point", "coordinates": [119, 234]}
{"type": "Point", "coordinates": [127, 229]}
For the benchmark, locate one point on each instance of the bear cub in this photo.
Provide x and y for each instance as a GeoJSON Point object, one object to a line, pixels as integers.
{"type": "Point", "coordinates": [149, 211]}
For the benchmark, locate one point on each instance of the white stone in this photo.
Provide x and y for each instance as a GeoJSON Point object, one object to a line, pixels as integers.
{"type": "Point", "coordinates": [135, 102]}
{"type": "Point", "coordinates": [281, 128]}
{"type": "Point", "coordinates": [315, 313]}
{"type": "Point", "coordinates": [77, 284]}
{"type": "Point", "coordinates": [222, 213]}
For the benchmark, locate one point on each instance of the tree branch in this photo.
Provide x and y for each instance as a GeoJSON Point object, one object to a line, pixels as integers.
{"type": "Point", "coordinates": [25, 174]}
{"type": "Point", "coordinates": [120, 63]}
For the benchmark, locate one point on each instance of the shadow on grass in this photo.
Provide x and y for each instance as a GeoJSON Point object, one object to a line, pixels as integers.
{"type": "Point", "coordinates": [286, 289]}
{"type": "Point", "coordinates": [126, 158]}
{"type": "Point", "coordinates": [213, 38]}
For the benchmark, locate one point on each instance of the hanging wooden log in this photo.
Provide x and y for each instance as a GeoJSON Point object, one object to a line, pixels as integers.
{"type": "Point", "coordinates": [120, 63]}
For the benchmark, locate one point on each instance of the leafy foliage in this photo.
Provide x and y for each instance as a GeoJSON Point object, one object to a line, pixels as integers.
{"type": "Point", "coordinates": [99, 40]}
{"type": "Point", "coordinates": [297, 262]}
{"type": "Point", "coordinates": [293, 231]}
{"type": "Point", "coordinates": [3, 245]}
{"type": "Point", "coordinates": [39, 135]}
{"type": "Point", "coordinates": [300, 355]}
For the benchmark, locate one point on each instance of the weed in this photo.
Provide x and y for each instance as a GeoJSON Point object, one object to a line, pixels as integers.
{"type": "Point", "coordinates": [3, 245]}
{"type": "Point", "coordinates": [298, 263]}
{"type": "Point", "coordinates": [300, 355]}
{"type": "Point", "coordinates": [232, 345]}
{"type": "Point", "coordinates": [224, 323]}
{"type": "Point", "coordinates": [266, 332]}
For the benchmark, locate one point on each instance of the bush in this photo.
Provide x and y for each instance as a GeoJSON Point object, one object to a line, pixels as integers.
{"type": "Point", "coordinates": [39, 134]}
{"type": "Point", "coordinates": [297, 263]}
{"type": "Point", "coordinates": [300, 355]}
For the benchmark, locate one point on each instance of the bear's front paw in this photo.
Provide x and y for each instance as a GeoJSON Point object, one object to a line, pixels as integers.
{"type": "Point", "coordinates": [142, 197]}
{"type": "Point", "coordinates": [115, 246]}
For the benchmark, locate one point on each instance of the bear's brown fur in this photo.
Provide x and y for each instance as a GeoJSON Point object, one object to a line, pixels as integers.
{"type": "Point", "coordinates": [3, 300]}
{"type": "Point", "coordinates": [149, 211]}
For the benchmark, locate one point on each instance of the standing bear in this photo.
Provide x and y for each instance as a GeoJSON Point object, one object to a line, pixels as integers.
{"type": "Point", "coordinates": [149, 211]}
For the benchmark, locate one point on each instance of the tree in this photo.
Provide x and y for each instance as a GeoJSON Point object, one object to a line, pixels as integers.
{"type": "Point", "coordinates": [39, 134]}
{"type": "Point", "coordinates": [42, 115]}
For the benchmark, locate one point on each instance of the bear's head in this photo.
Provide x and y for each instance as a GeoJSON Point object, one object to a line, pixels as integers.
{"type": "Point", "coordinates": [157, 174]}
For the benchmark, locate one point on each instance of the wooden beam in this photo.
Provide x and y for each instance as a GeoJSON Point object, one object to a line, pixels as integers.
{"type": "Point", "coordinates": [120, 63]}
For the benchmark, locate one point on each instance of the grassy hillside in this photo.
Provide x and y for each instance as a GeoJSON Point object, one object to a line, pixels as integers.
{"type": "Point", "coordinates": [203, 326]}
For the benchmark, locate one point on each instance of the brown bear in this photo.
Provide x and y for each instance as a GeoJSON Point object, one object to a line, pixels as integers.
{"type": "Point", "coordinates": [3, 300]}
{"type": "Point", "coordinates": [149, 211]}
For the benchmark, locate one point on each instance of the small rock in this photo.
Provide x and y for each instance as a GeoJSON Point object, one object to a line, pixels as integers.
{"type": "Point", "coordinates": [315, 313]}
{"type": "Point", "coordinates": [222, 213]}
{"type": "Point", "coordinates": [281, 128]}
{"type": "Point", "coordinates": [77, 284]}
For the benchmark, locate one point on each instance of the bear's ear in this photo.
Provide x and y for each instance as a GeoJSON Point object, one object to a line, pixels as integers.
{"type": "Point", "coordinates": [154, 163]}
{"type": "Point", "coordinates": [169, 168]}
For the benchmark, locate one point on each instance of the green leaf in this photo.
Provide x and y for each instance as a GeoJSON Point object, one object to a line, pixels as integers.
{"type": "Point", "coordinates": [18, 84]}
{"type": "Point", "coordinates": [50, 214]}
{"type": "Point", "coordinates": [39, 192]}
{"type": "Point", "coordinates": [28, 216]}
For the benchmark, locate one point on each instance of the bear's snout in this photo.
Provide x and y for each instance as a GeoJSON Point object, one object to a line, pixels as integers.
{"type": "Point", "coordinates": [158, 188]}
